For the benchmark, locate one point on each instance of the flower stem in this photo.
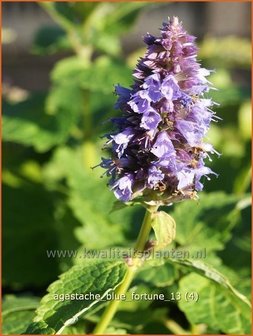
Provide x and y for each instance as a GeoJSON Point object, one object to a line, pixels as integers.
{"type": "Point", "coordinates": [113, 305]}
{"type": "Point", "coordinates": [111, 309]}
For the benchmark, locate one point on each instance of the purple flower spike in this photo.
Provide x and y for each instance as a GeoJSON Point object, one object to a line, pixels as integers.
{"type": "Point", "coordinates": [157, 151]}
{"type": "Point", "coordinates": [123, 188]}
{"type": "Point", "coordinates": [150, 119]}
{"type": "Point", "coordinates": [163, 145]}
{"type": "Point", "coordinates": [121, 140]}
{"type": "Point", "coordinates": [154, 177]}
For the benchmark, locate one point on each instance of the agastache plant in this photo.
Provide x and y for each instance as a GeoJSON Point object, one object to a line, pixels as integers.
{"type": "Point", "coordinates": [157, 151]}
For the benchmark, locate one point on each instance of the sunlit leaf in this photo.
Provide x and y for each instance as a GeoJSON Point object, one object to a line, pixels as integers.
{"type": "Point", "coordinates": [217, 308]}
{"type": "Point", "coordinates": [96, 277]}
{"type": "Point", "coordinates": [27, 123]}
{"type": "Point", "coordinates": [102, 76]}
{"type": "Point", "coordinates": [17, 313]}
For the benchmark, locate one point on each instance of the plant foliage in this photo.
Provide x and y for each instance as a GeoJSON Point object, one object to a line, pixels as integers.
{"type": "Point", "coordinates": [54, 201]}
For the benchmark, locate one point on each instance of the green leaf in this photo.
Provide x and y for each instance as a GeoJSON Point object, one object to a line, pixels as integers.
{"type": "Point", "coordinates": [27, 123]}
{"type": "Point", "coordinates": [49, 40]}
{"type": "Point", "coordinates": [100, 228]}
{"type": "Point", "coordinates": [125, 13]}
{"type": "Point", "coordinates": [84, 9]}
{"type": "Point", "coordinates": [105, 22]}
{"type": "Point", "coordinates": [62, 13]}
{"type": "Point", "coordinates": [69, 70]}
{"type": "Point", "coordinates": [101, 76]}
{"type": "Point", "coordinates": [108, 43]}
{"type": "Point", "coordinates": [164, 227]}
{"type": "Point", "coordinates": [217, 307]}
{"type": "Point", "coordinates": [28, 216]}
{"type": "Point", "coordinates": [115, 18]}
{"type": "Point", "coordinates": [65, 10]}
{"type": "Point", "coordinates": [206, 223]}
{"type": "Point", "coordinates": [212, 274]}
{"type": "Point", "coordinates": [17, 313]}
{"type": "Point", "coordinates": [96, 277]}
{"type": "Point", "coordinates": [162, 277]}
{"type": "Point", "coordinates": [60, 100]}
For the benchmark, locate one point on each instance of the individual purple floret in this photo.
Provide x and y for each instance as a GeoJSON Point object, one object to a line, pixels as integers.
{"type": "Point", "coordinates": [157, 150]}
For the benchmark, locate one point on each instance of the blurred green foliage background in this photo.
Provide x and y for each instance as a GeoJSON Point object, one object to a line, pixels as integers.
{"type": "Point", "coordinates": [52, 199]}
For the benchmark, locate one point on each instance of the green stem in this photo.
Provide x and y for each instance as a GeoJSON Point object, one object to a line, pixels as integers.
{"type": "Point", "coordinates": [145, 230]}
{"type": "Point", "coordinates": [80, 49]}
{"type": "Point", "coordinates": [113, 305]}
{"type": "Point", "coordinates": [175, 328]}
{"type": "Point", "coordinates": [111, 309]}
